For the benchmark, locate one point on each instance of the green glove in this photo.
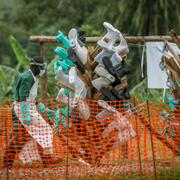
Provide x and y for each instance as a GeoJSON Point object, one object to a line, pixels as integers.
{"type": "Point", "coordinates": [56, 128]}
{"type": "Point", "coordinates": [46, 111]}
{"type": "Point", "coordinates": [41, 107]}
{"type": "Point", "coordinates": [64, 119]}
{"type": "Point", "coordinates": [66, 64]}
{"type": "Point", "coordinates": [62, 38]}
{"type": "Point", "coordinates": [25, 110]}
{"type": "Point", "coordinates": [57, 117]}
{"type": "Point", "coordinates": [61, 52]}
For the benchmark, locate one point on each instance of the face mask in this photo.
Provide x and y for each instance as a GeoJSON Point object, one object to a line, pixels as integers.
{"type": "Point", "coordinates": [42, 72]}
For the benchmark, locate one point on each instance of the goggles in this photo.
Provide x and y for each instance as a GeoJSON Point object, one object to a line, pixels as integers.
{"type": "Point", "coordinates": [41, 65]}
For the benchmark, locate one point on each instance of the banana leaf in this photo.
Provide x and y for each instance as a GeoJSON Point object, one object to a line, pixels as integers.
{"type": "Point", "coordinates": [21, 56]}
{"type": "Point", "coordinates": [7, 80]}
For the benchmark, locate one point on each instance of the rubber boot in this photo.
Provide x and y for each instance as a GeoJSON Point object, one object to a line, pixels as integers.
{"type": "Point", "coordinates": [81, 52]}
{"type": "Point", "coordinates": [116, 94]}
{"type": "Point", "coordinates": [119, 73]}
{"type": "Point", "coordinates": [81, 37]}
{"type": "Point", "coordinates": [108, 65]}
{"type": "Point", "coordinates": [123, 70]}
{"type": "Point", "coordinates": [74, 58]}
{"type": "Point", "coordinates": [107, 94]}
{"type": "Point", "coordinates": [112, 34]}
{"type": "Point", "coordinates": [125, 94]}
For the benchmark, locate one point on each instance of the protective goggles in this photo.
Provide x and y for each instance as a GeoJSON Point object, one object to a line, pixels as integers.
{"type": "Point", "coordinates": [41, 65]}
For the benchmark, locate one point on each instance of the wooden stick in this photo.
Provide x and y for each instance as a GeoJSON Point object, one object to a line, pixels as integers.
{"type": "Point", "coordinates": [123, 84]}
{"type": "Point", "coordinates": [175, 38]}
{"type": "Point", "coordinates": [66, 85]}
{"type": "Point", "coordinates": [94, 53]}
{"type": "Point", "coordinates": [174, 53]}
{"type": "Point", "coordinates": [129, 39]}
{"type": "Point", "coordinates": [171, 65]}
{"type": "Point", "coordinates": [174, 90]}
{"type": "Point", "coordinates": [85, 78]}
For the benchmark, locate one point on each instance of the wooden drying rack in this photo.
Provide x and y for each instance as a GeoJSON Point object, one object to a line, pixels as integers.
{"type": "Point", "coordinates": [42, 40]}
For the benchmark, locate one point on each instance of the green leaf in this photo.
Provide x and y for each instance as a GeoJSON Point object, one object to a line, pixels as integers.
{"type": "Point", "coordinates": [19, 51]}
{"type": "Point", "coordinates": [7, 79]}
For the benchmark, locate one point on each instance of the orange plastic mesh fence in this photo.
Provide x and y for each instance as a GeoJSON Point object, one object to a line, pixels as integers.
{"type": "Point", "coordinates": [77, 139]}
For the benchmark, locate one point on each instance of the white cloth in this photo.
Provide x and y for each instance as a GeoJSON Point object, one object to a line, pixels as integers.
{"type": "Point", "coordinates": [156, 77]}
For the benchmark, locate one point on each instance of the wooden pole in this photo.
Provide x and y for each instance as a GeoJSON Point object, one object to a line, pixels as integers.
{"type": "Point", "coordinates": [44, 77]}
{"type": "Point", "coordinates": [129, 39]}
{"type": "Point", "coordinates": [174, 53]}
{"type": "Point", "coordinates": [175, 37]}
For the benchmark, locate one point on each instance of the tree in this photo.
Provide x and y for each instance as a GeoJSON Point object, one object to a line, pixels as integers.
{"type": "Point", "coordinates": [23, 18]}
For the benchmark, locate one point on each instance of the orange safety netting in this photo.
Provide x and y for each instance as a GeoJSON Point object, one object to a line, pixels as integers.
{"type": "Point", "coordinates": [122, 140]}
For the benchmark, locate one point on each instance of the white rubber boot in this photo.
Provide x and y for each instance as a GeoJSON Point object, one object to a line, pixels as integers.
{"type": "Point", "coordinates": [81, 52]}
{"type": "Point", "coordinates": [105, 78]}
{"type": "Point", "coordinates": [107, 43]}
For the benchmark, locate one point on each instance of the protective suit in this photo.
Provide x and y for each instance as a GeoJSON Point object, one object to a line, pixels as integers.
{"type": "Point", "coordinates": [39, 132]}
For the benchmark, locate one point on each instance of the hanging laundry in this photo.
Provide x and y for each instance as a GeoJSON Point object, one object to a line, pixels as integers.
{"type": "Point", "coordinates": [156, 77]}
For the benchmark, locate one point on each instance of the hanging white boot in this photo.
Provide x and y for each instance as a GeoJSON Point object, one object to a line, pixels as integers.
{"type": "Point", "coordinates": [81, 52]}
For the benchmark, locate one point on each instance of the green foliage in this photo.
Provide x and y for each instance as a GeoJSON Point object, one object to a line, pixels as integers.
{"type": "Point", "coordinates": [19, 52]}
{"type": "Point", "coordinates": [8, 74]}
{"type": "Point", "coordinates": [90, 30]}
{"type": "Point", "coordinates": [142, 93]}
{"type": "Point", "coordinates": [7, 79]}
{"type": "Point", "coordinates": [52, 84]}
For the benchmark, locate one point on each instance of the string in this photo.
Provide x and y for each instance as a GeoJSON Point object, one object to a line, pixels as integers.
{"type": "Point", "coordinates": [142, 61]}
